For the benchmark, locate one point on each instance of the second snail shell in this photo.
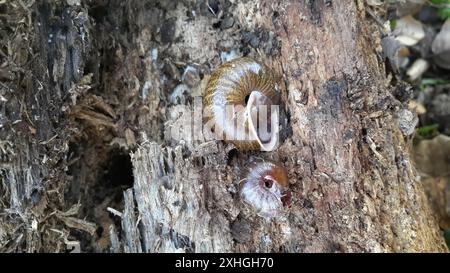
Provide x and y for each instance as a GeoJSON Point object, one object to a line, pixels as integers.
{"type": "Point", "coordinates": [248, 86]}
{"type": "Point", "coordinates": [266, 188]}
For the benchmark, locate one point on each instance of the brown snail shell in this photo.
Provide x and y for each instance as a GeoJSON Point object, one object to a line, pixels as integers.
{"type": "Point", "coordinates": [266, 188]}
{"type": "Point", "coordinates": [251, 89]}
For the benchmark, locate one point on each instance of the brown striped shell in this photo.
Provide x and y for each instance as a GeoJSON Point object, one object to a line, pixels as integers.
{"type": "Point", "coordinates": [251, 89]}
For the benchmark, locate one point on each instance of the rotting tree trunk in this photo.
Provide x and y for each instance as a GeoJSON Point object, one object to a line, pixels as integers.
{"type": "Point", "coordinates": [354, 188]}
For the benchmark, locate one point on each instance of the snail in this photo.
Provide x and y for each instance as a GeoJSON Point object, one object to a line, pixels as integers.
{"type": "Point", "coordinates": [242, 99]}
{"type": "Point", "coordinates": [265, 188]}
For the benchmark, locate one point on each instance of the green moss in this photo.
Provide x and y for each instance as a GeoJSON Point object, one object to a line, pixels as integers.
{"type": "Point", "coordinates": [431, 82]}
{"type": "Point", "coordinates": [444, 13]}
{"type": "Point", "coordinates": [439, 2]}
{"type": "Point", "coordinates": [425, 132]}
{"type": "Point", "coordinates": [428, 130]}
{"type": "Point", "coordinates": [393, 24]}
{"type": "Point", "coordinates": [443, 8]}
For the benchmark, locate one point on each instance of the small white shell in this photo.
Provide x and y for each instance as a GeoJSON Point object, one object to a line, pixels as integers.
{"type": "Point", "coordinates": [262, 190]}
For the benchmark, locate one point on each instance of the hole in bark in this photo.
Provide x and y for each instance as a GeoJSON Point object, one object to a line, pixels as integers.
{"type": "Point", "coordinates": [99, 231]}
{"type": "Point", "coordinates": [364, 131]}
{"type": "Point", "coordinates": [119, 172]}
{"type": "Point", "coordinates": [99, 174]}
{"type": "Point", "coordinates": [98, 12]}
{"type": "Point", "coordinates": [115, 175]}
{"type": "Point", "coordinates": [166, 166]}
{"type": "Point", "coordinates": [216, 25]}
{"type": "Point", "coordinates": [232, 154]}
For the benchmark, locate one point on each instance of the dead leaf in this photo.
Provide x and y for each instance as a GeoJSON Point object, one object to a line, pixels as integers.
{"type": "Point", "coordinates": [80, 224]}
{"type": "Point", "coordinates": [74, 222]}
{"type": "Point", "coordinates": [72, 211]}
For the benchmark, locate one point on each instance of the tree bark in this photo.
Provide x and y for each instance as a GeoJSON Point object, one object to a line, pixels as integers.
{"type": "Point", "coordinates": [353, 184]}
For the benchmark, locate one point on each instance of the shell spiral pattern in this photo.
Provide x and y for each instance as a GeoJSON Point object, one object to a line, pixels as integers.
{"type": "Point", "coordinates": [265, 188]}
{"type": "Point", "coordinates": [250, 88]}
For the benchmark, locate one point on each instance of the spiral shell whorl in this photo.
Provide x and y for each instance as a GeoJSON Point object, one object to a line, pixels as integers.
{"type": "Point", "coordinates": [266, 189]}
{"type": "Point", "coordinates": [231, 84]}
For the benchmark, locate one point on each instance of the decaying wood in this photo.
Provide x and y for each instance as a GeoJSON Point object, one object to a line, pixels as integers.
{"type": "Point", "coordinates": [354, 186]}
{"type": "Point", "coordinates": [45, 62]}
{"type": "Point", "coordinates": [102, 81]}
{"type": "Point", "coordinates": [129, 225]}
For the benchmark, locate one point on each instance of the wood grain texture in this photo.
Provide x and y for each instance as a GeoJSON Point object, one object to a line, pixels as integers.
{"type": "Point", "coordinates": [354, 188]}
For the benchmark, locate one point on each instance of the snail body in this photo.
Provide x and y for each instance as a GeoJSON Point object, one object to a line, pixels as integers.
{"type": "Point", "coordinates": [266, 188]}
{"type": "Point", "coordinates": [240, 97]}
